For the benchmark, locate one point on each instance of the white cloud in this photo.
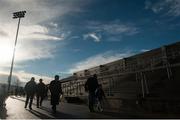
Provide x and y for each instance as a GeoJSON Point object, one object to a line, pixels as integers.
{"type": "Point", "coordinates": [3, 33]}
{"type": "Point", "coordinates": [27, 32]}
{"type": "Point", "coordinates": [37, 36]}
{"type": "Point", "coordinates": [38, 10]}
{"type": "Point", "coordinates": [174, 7]}
{"type": "Point", "coordinates": [96, 38]}
{"type": "Point", "coordinates": [144, 50]}
{"type": "Point", "coordinates": [92, 35]}
{"type": "Point", "coordinates": [147, 4]}
{"type": "Point", "coordinates": [4, 78]}
{"type": "Point", "coordinates": [32, 50]}
{"type": "Point", "coordinates": [98, 60]}
{"type": "Point", "coordinates": [167, 7]}
{"type": "Point", "coordinates": [115, 39]}
{"type": "Point", "coordinates": [31, 28]}
{"type": "Point", "coordinates": [120, 29]}
{"type": "Point", "coordinates": [76, 50]}
{"type": "Point", "coordinates": [53, 24]}
{"type": "Point", "coordinates": [28, 48]}
{"type": "Point", "coordinates": [23, 77]}
{"type": "Point", "coordinates": [113, 28]}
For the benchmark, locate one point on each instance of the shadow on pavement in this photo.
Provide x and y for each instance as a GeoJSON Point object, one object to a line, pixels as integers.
{"type": "Point", "coordinates": [46, 109]}
{"type": "Point", "coordinates": [139, 116]}
{"type": "Point", "coordinates": [58, 114]}
{"type": "Point", "coordinates": [43, 116]}
{"type": "Point", "coordinates": [62, 115]}
{"type": "Point", "coordinates": [21, 99]}
{"type": "Point", "coordinates": [117, 115]}
{"type": "Point", "coordinates": [40, 115]}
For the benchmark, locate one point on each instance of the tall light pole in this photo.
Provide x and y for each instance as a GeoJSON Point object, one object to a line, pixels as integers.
{"type": "Point", "coordinates": [18, 15]}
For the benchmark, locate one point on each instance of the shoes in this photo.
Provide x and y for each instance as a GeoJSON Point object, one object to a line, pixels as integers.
{"type": "Point", "coordinates": [25, 106]}
{"type": "Point", "coordinates": [30, 108]}
{"type": "Point", "coordinates": [92, 111]}
{"type": "Point", "coordinates": [54, 109]}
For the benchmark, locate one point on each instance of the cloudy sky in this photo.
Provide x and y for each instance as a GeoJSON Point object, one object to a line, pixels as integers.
{"type": "Point", "coordinates": [64, 36]}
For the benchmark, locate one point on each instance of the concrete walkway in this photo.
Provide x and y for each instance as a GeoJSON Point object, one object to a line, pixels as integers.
{"type": "Point", "coordinates": [15, 110]}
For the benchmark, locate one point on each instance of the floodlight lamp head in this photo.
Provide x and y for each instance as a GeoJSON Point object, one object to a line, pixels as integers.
{"type": "Point", "coordinates": [19, 14]}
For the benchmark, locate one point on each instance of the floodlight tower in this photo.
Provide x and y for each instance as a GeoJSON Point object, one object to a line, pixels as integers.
{"type": "Point", "coordinates": [19, 15]}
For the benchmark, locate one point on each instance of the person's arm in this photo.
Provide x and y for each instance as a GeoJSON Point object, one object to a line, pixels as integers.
{"type": "Point", "coordinates": [96, 83]}
{"type": "Point", "coordinates": [25, 87]}
{"type": "Point", "coordinates": [35, 87]}
{"type": "Point", "coordinates": [44, 87]}
{"type": "Point", "coordinates": [50, 86]}
{"type": "Point", "coordinates": [86, 86]}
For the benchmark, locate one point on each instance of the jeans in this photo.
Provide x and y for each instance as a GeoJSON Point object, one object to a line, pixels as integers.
{"type": "Point", "coordinates": [29, 96]}
{"type": "Point", "coordinates": [91, 101]}
{"type": "Point", "coordinates": [41, 99]}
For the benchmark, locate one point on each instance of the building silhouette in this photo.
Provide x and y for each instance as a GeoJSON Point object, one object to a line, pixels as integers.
{"type": "Point", "coordinates": [147, 81]}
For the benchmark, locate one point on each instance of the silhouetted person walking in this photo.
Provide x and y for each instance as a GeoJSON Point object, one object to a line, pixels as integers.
{"type": "Point", "coordinates": [30, 89]}
{"type": "Point", "coordinates": [91, 85]}
{"type": "Point", "coordinates": [40, 93]}
{"type": "Point", "coordinates": [56, 91]}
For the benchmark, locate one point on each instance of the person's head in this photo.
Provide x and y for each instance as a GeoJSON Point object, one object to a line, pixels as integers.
{"type": "Point", "coordinates": [95, 76]}
{"type": "Point", "coordinates": [40, 80]}
{"type": "Point", "coordinates": [56, 77]}
{"type": "Point", "coordinates": [32, 79]}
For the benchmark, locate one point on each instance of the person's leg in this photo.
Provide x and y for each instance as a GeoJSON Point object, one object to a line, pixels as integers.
{"type": "Point", "coordinates": [91, 102]}
{"type": "Point", "coordinates": [41, 100]}
{"type": "Point", "coordinates": [31, 100]}
{"type": "Point", "coordinates": [37, 101]}
{"type": "Point", "coordinates": [27, 99]}
{"type": "Point", "coordinates": [101, 105]}
{"type": "Point", "coordinates": [97, 104]}
{"type": "Point", "coordinates": [54, 108]}
{"type": "Point", "coordinates": [53, 102]}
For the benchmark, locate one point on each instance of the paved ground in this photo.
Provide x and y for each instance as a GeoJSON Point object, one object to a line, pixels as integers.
{"type": "Point", "coordinates": [15, 110]}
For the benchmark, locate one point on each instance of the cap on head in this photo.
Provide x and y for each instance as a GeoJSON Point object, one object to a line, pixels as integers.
{"type": "Point", "coordinates": [56, 77]}
{"type": "Point", "coordinates": [40, 80]}
{"type": "Point", "coordinates": [95, 75]}
{"type": "Point", "coordinates": [32, 79]}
